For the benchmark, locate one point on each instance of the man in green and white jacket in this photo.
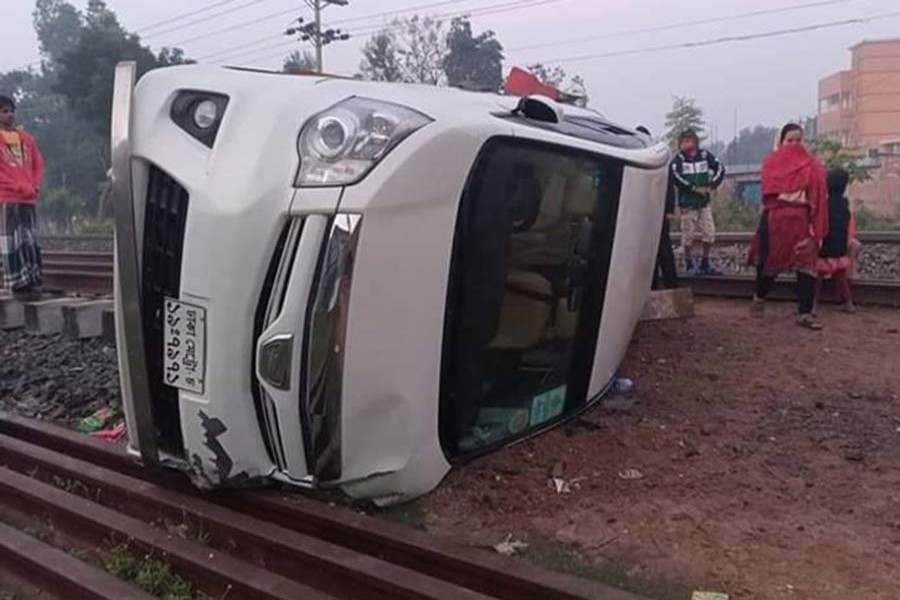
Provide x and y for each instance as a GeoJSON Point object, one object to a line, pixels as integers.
{"type": "Point", "coordinates": [696, 173]}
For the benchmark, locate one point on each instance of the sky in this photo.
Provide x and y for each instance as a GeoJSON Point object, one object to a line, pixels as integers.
{"type": "Point", "coordinates": [763, 81]}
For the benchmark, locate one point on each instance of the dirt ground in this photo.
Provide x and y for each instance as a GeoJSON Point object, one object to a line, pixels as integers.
{"type": "Point", "coordinates": [768, 459]}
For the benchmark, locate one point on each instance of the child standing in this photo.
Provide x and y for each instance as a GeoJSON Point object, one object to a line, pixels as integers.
{"type": "Point", "coordinates": [834, 258]}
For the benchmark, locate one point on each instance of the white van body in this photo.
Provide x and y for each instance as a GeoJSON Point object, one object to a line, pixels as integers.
{"type": "Point", "coordinates": [334, 283]}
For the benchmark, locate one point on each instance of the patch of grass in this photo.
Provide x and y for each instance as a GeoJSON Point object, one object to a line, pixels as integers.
{"type": "Point", "coordinates": [867, 220]}
{"type": "Point", "coordinates": [76, 487]}
{"type": "Point", "coordinates": [152, 575]}
{"type": "Point", "coordinates": [189, 531]}
{"type": "Point", "coordinates": [411, 514]}
{"type": "Point", "coordinates": [730, 215]}
{"type": "Point", "coordinates": [557, 557]}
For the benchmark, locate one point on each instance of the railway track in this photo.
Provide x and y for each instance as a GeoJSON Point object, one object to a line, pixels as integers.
{"type": "Point", "coordinates": [745, 237]}
{"type": "Point", "coordinates": [870, 292]}
{"type": "Point", "coordinates": [92, 273]}
{"type": "Point", "coordinates": [78, 272]}
{"type": "Point", "coordinates": [260, 545]}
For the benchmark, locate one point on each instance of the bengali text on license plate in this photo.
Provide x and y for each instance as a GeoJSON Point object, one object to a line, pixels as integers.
{"type": "Point", "coordinates": [184, 345]}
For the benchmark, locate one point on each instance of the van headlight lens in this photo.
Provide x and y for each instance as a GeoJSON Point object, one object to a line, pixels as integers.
{"type": "Point", "coordinates": [342, 144]}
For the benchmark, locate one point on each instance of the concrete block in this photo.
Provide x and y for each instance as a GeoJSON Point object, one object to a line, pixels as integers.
{"type": "Point", "coordinates": [85, 320]}
{"type": "Point", "coordinates": [12, 313]}
{"type": "Point", "coordinates": [45, 317]}
{"type": "Point", "coordinates": [108, 321]}
{"type": "Point", "coordinates": [669, 304]}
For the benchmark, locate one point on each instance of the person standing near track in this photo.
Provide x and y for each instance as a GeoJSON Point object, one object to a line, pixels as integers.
{"type": "Point", "coordinates": [696, 173]}
{"type": "Point", "coordinates": [835, 261]}
{"type": "Point", "coordinates": [21, 173]}
{"type": "Point", "coordinates": [793, 224]}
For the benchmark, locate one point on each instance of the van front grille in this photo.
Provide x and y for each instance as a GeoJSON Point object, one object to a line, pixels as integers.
{"type": "Point", "coordinates": [164, 226]}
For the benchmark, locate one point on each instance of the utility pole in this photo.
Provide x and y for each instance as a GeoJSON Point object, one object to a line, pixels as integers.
{"type": "Point", "coordinates": [312, 32]}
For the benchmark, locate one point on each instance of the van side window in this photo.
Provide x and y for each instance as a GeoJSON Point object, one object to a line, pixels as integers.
{"type": "Point", "coordinates": [526, 252]}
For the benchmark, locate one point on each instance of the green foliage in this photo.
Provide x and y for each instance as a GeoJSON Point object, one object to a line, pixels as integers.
{"type": "Point", "coordinates": [380, 60]}
{"type": "Point", "coordinates": [730, 215]}
{"type": "Point", "coordinates": [152, 575]}
{"type": "Point", "coordinates": [410, 50]}
{"type": "Point", "coordinates": [556, 557]}
{"type": "Point", "coordinates": [95, 227]}
{"type": "Point", "coordinates": [300, 62]}
{"type": "Point", "coordinates": [60, 207]}
{"type": "Point", "coordinates": [835, 156]}
{"type": "Point", "coordinates": [58, 26]}
{"type": "Point", "coordinates": [86, 74]}
{"type": "Point", "coordinates": [557, 77]}
{"type": "Point", "coordinates": [751, 146]}
{"type": "Point", "coordinates": [473, 61]}
{"type": "Point", "coordinates": [685, 114]}
{"type": "Point", "coordinates": [65, 104]}
{"type": "Point", "coordinates": [867, 220]}
{"type": "Point", "coordinates": [418, 50]}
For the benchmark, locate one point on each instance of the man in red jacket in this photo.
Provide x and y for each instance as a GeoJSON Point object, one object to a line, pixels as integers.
{"type": "Point", "coordinates": [21, 172]}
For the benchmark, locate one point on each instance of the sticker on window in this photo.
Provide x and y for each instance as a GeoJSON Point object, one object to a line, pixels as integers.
{"type": "Point", "coordinates": [548, 405]}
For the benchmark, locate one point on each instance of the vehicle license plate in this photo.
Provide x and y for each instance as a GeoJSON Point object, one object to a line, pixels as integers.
{"type": "Point", "coordinates": [184, 345]}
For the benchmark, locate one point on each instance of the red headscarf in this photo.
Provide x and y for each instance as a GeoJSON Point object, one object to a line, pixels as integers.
{"type": "Point", "coordinates": [791, 169]}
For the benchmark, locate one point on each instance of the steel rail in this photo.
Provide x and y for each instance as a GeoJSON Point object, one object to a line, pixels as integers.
{"type": "Point", "coordinates": [480, 572]}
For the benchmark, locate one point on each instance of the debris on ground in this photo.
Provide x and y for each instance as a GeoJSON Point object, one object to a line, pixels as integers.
{"type": "Point", "coordinates": [709, 596]}
{"type": "Point", "coordinates": [630, 474]}
{"type": "Point", "coordinates": [560, 485]}
{"type": "Point", "coordinates": [114, 434]}
{"type": "Point", "coordinates": [510, 547]}
{"type": "Point", "coordinates": [622, 385]}
{"type": "Point", "coordinates": [96, 421]}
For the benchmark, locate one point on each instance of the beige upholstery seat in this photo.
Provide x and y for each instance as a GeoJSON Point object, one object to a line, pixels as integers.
{"type": "Point", "coordinates": [566, 323]}
{"type": "Point", "coordinates": [525, 313]}
{"type": "Point", "coordinates": [581, 197]}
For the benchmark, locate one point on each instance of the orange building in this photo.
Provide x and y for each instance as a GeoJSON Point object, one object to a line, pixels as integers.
{"type": "Point", "coordinates": [861, 108]}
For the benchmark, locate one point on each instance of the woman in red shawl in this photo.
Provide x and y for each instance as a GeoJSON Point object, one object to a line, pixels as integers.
{"type": "Point", "coordinates": [793, 223]}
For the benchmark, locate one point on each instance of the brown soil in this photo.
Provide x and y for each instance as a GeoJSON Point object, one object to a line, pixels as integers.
{"type": "Point", "coordinates": [769, 456]}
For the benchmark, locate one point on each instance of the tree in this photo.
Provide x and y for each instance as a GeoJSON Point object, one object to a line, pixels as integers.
{"type": "Point", "coordinates": [58, 26]}
{"type": "Point", "coordinates": [380, 61]}
{"type": "Point", "coordinates": [410, 50]}
{"type": "Point", "coordinates": [422, 49]}
{"type": "Point", "coordinates": [300, 62]}
{"type": "Point", "coordinates": [834, 155]}
{"type": "Point", "coordinates": [685, 114]}
{"type": "Point", "coordinates": [473, 61]}
{"type": "Point", "coordinates": [751, 146]}
{"type": "Point", "coordinates": [66, 102]}
{"type": "Point", "coordinates": [86, 74]}
{"type": "Point", "coordinates": [557, 76]}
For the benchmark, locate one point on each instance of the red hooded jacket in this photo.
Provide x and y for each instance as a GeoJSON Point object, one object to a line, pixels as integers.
{"type": "Point", "coordinates": [21, 183]}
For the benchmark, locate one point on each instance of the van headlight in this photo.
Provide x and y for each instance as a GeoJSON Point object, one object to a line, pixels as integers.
{"type": "Point", "coordinates": [342, 144]}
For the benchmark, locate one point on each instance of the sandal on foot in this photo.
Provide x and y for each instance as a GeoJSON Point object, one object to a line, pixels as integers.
{"type": "Point", "coordinates": [809, 322]}
{"type": "Point", "coordinates": [758, 308]}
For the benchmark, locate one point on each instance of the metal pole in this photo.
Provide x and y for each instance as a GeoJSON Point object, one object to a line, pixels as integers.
{"type": "Point", "coordinates": [317, 38]}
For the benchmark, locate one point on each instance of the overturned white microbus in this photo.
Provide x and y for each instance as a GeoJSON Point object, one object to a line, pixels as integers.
{"type": "Point", "coordinates": [335, 283]}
